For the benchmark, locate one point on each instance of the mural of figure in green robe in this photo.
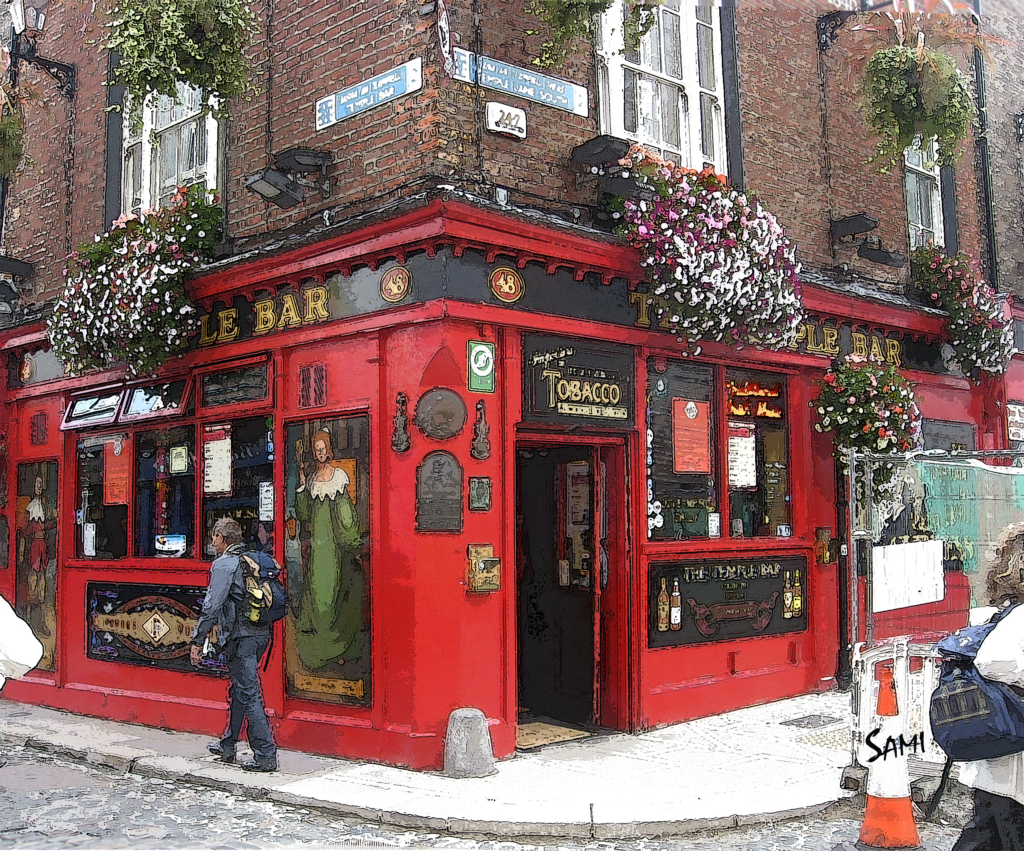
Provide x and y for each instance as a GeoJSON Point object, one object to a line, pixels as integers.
{"type": "Point", "coordinates": [330, 612]}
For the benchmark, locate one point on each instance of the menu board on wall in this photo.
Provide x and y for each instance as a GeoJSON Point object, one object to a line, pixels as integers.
{"type": "Point", "coordinates": [217, 459]}
{"type": "Point", "coordinates": [742, 455]}
{"type": "Point", "coordinates": [691, 437]}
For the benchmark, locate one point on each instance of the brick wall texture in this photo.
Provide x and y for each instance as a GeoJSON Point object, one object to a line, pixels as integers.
{"type": "Point", "coordinates": [804, 143]}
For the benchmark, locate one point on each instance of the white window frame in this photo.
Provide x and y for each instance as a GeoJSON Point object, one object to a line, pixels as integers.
{"type": "Point", "coordinates": [162, 120]}
{"type": "Point", "coordinates": [616, 65]}
{"type": "Point", "coordinates": [923, 187]}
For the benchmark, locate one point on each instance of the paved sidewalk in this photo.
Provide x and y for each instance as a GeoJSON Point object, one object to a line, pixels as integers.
{"type": "Point", "coordinates": [739, 768]}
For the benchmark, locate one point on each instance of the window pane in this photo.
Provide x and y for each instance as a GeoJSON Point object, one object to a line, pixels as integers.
{"type": "Point", "coordinates": [92, 410]}
{"type": "Point", "coordinates": [673, 50]}
{"type": "Point", "coordinates": [629, 83]}
{"type": "Point", "coordinates": [632, 54]}
{"type": "Point", "coordinates": [759, 496]}
{"type": "Point", "coordinates": [650, 109]}
{"type": "Point", "coordinates": [651, 47]}
{"type": "Point", "coordinates": [238, 479]}
{"type": "Point", "coordinates": [681, 484]}
{"type": "Point", "coordinates": [165, 494]}
{"type": "Point", "coordinates": [131, 200]}
{"type": "Point", "coordinates": [670, 115]}
{"type": "Point", "coordinates": [706, 57]}
{"type": "Point", "coordinates": [708, 122]}
{"type": "Point", "coordinates": [704, 13]}
{"type": "Point", "coordinates": [154, 400]}
{"type": "Point", "coordinates": [104, 474]}
{"type": "Point", "coordinates": [248, 384]}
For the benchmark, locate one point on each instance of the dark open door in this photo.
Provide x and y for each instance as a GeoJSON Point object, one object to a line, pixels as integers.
{"type": "Point", "coordinates": [560, 513]}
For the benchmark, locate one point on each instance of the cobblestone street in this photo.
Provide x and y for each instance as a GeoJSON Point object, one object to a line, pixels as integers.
{"type": "Point", "coordinates": [52, 802]}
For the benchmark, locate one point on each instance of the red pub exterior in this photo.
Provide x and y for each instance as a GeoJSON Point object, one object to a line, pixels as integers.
{"type": "Point", "coordinates": [539, 501]}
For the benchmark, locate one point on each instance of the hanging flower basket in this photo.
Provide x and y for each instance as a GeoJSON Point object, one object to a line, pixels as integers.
{"type": "Point", "coordinates": [200, 42]}
{"type": "Point", "coordinates": [869, 407]}
{"type": "Point", "coordinates": [981, 337]}
{"type": "Point", "coordinates": [124, 299]}
{"type": "Point", "coordinates": [570, 19]}
{"type": "Point", "coordinates": [913, 92]}
{"type": "Point", "coordinates": [715, 256]}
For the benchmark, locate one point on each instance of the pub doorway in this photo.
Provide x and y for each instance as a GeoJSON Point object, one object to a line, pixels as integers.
{"type": "Point", "coordinates": [566, 555]}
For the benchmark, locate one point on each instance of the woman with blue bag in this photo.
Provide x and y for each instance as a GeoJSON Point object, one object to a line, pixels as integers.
{"type": "Point", "coordinates": [998, 783]}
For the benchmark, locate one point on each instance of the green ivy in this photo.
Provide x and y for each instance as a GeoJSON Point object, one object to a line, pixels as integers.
{"type": "Point", "coordinates": [200, 42]}
{"type": "Point", "coordinates": [906, 96]}
{"type": "Point", "coordinates": [12, 142]}
{"type": "Point", "coordinates": [571, 19]}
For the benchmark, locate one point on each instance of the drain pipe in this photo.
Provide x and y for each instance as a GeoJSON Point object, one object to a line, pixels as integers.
{"type": "Point", "coordinates": [986, 169]}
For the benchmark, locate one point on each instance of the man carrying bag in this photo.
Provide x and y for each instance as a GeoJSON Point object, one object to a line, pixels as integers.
{"type": "Point", "coordinates": [244, 642]}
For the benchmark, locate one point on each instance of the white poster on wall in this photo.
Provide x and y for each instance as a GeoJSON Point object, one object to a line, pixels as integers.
{"type": "Point", "coordinates": [906, 575]}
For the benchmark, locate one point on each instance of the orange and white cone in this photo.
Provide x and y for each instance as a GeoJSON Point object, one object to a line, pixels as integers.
{"type": "Point", "coordinates": [889, 814]}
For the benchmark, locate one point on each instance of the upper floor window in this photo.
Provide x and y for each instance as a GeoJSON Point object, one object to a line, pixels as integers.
{"type": "Point", "coordinates": [924, 195]}
{"type": "Point", "coordinates": [175, 146]}
{"type": "Point", "coordinates": [669, 94]}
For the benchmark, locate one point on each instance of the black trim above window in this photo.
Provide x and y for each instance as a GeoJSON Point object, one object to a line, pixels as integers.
{"type": "Point", "coordinates": [114, 141]}
{"type": "Point", "coordinates": [731, 88]}
{"type": "Point", "coordinates": [947, 192]}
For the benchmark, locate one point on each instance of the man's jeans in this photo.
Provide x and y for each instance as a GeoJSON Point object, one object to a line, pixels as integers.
{"type": "Point", "coordinates": [245, 696]}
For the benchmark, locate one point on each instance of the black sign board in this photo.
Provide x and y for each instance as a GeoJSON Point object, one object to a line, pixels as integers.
{"type": "Point", "coordinates": [947, 435]}
{"type": "Point", "coordinates": [692, 602]}
{"type": "Point", "coordinates": [567, 382]}
{"type": "Point", "coordinates": [148, 625]}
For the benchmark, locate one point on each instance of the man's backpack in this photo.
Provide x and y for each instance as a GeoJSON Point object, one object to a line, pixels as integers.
{"type": "Point", "coordinates": [974, 718]}
{"type": "Point", "coordinates": [266, 600]}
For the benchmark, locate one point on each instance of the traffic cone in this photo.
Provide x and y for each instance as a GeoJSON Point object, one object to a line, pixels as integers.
{"type": "Point", "coordinates": [888, 815]}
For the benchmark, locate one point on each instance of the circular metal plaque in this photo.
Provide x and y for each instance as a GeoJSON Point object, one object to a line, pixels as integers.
{"type": "Point", "coordinates": [440, 413]}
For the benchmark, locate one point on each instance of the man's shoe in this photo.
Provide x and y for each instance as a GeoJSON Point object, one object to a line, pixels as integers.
{"type": "Point", "coordinates": [254, 765]}
{"type": "Point", "coordinates": [222, 753]}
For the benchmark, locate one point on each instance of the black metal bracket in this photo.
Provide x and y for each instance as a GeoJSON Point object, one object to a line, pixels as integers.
{"type": "Point", "coordinates": [1018, 122]}
{"type": "Point", "coordinates": [25, 50]}
{"type": "Point", "coordinates": [829, 25]}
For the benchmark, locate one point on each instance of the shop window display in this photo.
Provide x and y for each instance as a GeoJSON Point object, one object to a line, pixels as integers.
{"type": "Point", "coordinates": [165, 464]}
{"type": "Point", "coordinates": [327, 554]}
{"type": "Point", "coordinates": [711, 429]}
{"type": "Point", "coordinates": [36, 518]}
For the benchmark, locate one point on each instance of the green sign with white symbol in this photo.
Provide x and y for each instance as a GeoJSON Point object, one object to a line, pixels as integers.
{"type": "Point", "coordinates": [481, 366]}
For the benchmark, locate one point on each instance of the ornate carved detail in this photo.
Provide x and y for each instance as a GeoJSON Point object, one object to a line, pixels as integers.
{"type": "Point", "coordinates": [400, 426]}
{"type": "Point", "coordinates": [481, 449]}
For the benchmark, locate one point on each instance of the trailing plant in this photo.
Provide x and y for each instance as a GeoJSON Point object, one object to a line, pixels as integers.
{"type": "Point", "coordinates": [720, 265]}
{"type": "Point", "coordinates": [12, 141]}
{"type": "Point", "coordinates": [868, 406]}
{"type": "Point", "coordinates": [570, 19]}
{"type": "Point", "coordinates": [199, 42]}
{"type": "Point", "coordinates": [124, 299]}
{"type": "Point", "coordinates": [911, 89]}
{"type": "Point", "coordinates": [981, 337]}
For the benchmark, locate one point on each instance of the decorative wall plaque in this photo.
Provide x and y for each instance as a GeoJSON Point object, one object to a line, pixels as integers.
{"type": "Point", "coordinates": [439, 494]}
{"type": "Point", "coordinates": [479, 493]}
{"type": "Point", "coordinates": [400, 426]}
{"type": "Point", "coordinates": [506, 284]}
{"type": "Point", "coordinates": [440, 413]}
{"type": "Point", "coordinates": [481, 448]}
{"type": "Point", "coordinates": [395, 284]}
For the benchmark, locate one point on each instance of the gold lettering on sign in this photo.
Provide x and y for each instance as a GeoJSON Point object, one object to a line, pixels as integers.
{"type": "Point", "coordinates": [264, 317]}
{"type": "Point", "coordinates": [290, 316]}
{"type": "Point", "coordinates": [323, 685]}
{"type": "Point", "coordinates": [275, 314]}
{"type": "Point", "coordinates": [316, 305]}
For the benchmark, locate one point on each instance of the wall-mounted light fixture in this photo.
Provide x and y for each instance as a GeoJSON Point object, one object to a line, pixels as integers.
{"type": "Point", "coordinates": [28, 18]}
{"type": "Point", "coordinates": [284, 183]}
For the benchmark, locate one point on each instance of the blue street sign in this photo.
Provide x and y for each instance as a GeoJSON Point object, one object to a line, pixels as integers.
{"type": "Point", "coordinates": [385, 87]}
{"type": "Point", "coordinates": [521, 82]}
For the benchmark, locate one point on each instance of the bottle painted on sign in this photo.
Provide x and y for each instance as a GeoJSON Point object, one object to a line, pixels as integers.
{"type": "Point", "coordinates": [663, 607]}
{"type": "Point", "coordinates": [787, 598]}
{"type": "Point", "coordinates": [798, 595]}
{"type": "Point", "coordinates": [675, 608]}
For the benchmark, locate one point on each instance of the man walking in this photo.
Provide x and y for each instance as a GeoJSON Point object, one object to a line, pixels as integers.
{"type": "Point", "coordinates": [244, 644]}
